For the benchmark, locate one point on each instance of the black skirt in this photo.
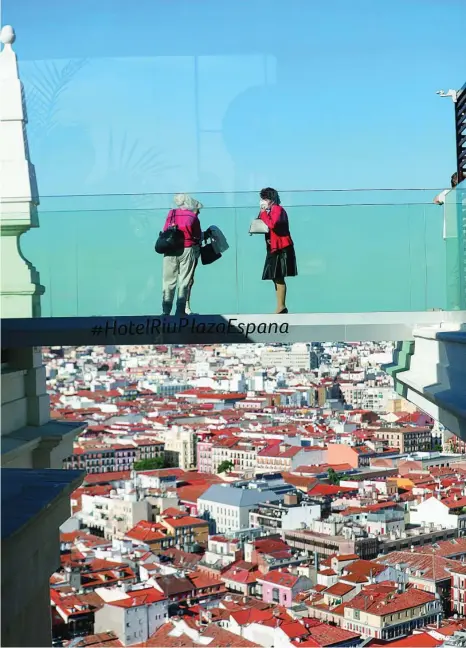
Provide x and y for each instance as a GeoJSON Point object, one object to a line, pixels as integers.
{"type": "Point", "coordinates": [280, 264]}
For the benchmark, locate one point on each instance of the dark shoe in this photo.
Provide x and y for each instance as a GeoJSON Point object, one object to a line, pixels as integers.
{"type": "Point", "coordinates": [283, 312]}
{"type": "Point", "coordinates": [167, 308]}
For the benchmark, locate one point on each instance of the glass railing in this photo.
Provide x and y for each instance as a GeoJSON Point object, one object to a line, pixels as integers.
{"type": "Point", "coordinates": [357, 251]}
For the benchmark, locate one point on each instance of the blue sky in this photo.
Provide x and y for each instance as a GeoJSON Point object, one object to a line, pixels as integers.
{"type": "Point", "coordinates": [230, 95]}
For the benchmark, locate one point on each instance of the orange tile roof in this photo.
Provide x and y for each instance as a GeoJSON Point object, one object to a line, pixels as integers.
{"type": "Point", "coordinates": [185, 521]}
{"type": "Point", "coordinates": [283, 577]}
{"type": "Point", "coordinates": [375, 600]}
{"type": "Point", "coordinates": [280, 450]}
{"type": "Point", "coordinates": [101, 478]}
{"type": "Point", "coordinates": [445, 548]}
{"type": "Point", "coordinates": [327, 635]}
{"type": "Point", "coordinates": [137, 598]}
{"type": "Point", "coordinates": [339, 589]}
{"type": "Point", "coordinates": [217, 635]}
{"type": "Point", "coordinates": [242, 572]}
{"type": "Point", "coordinates": [173, 512]}
{"type": "Point", "coordinates": [298, 481]}
{"type": "Point", "coordinates": [146, 532]}
{"type": "Point", "coordinates": [428, 566]}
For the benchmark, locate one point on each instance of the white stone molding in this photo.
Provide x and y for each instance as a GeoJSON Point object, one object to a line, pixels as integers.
{"type": "Point", "coordinates": [436, 379]}
{"type": "Point", "coordinates": [20, 284]}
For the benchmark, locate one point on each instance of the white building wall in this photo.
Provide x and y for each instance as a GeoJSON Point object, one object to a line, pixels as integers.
{"type": "Point", "coordinates": [134, 624]}
{"type": "Point", "coordinates": [297, 515]}
{"type": "Point", "coordinates": [227, 518]}
{"type": "Point", "coordinates": [296, 358]}
{"type": "Point", "coordinates": [182, 444]}
{"type": "Point", "coordinates": [102, 512]}
{"type": "Point", "coordinates": [432, 511]}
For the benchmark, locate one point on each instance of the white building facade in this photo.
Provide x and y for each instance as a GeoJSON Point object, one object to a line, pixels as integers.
{"type": "Point", "coordinates": [114, 515]}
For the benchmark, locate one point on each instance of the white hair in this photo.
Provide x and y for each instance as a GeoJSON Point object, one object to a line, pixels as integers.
{"type": "Point", "coordinates": [185, 201]}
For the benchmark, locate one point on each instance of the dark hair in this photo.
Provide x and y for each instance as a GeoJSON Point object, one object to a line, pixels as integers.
{"type": "Point", "coordinates": [270, 194]}
{"type": "Point", "coordinates": [454, 179]}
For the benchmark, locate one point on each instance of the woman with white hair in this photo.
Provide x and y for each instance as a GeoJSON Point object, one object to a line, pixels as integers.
{"type": "Point", "coordinates": [178, 270]}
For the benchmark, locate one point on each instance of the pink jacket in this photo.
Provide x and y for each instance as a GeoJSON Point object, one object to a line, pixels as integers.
{"type": "Point", "coordinates": [188, 223]}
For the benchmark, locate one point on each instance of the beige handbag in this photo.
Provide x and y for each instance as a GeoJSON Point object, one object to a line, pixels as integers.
{"type": "Point", "coordinates": [258, 227]}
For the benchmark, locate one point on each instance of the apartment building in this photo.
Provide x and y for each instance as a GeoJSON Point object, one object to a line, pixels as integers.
{"type": "Point", "coordinates": [381, 612]}
{"type": "Point", "coordinates": [227, 507]}
{"type": "Point", "coordinates": [458, 589]}
{"type": "Point", "coordinates": [286, 515]}
{"type": "Point", "coordinates": [324, 545]}
{"type": "Point", "coordinates": [148, 449]}
{"type": "Point", "coordinates": [282, 457]}
{"type": "Point", "coordinates": [184, 530]}
{"type": "Point", "coordinates": [385, 522]}
{"type": "Point", "coordinates": [180, 448]}
{"type": "Point", "coordinates": [149, 534]}
{"type": "Point", "coordinates": [355, 456]}
{"type": "Point", "coordinates": [360, 396]}
{"type": "Point", "coordinates": [280, 586]}
{"type": "Point", "coordinates": [396, 405]}
{"type": "Point", "coordinates": [454, 444]}
{"type": "Point", "coordinates": [204, 455]}
{"type": "Point", "coordinates": [221, 552]}
{"type": "Point", "coordinates": [295, 358]}
{"type": "Point", "coordinates": [424, 571]}
{"type": "Point", "coordinates": [448, 513]}
{"type": "Point", "coordinates": [115, 515]}
{"type": "Point", "coordinates": [96, 458]}
{"type": "Point", "coordinates": [406, 439]}
{"type": "Point", "coordinates": [99, 458]}
{"type": "Point", "coordinates": [241, 453]}
{"type": "Point", "coordinates": [133, 616]}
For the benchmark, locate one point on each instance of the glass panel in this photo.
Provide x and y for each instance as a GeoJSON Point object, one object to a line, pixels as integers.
{"type": "Point", "coordinates": [95, 254]}
{"type": "Point", "coordinates": [352, 258]}
{"type": "Point", "coordinates": [453, 234]}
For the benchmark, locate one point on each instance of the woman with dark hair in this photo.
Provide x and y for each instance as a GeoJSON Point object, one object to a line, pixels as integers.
{"type": "Point", "coordinates": [280, 261]}
{"type": "Point", "coordinates": [440, 200]}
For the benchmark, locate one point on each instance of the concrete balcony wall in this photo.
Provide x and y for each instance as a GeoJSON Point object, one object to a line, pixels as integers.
{"type": "Point", "coordinates": [34, 505]}
{"type": "Point", "coordinates": [434, 375]}
{"type": "Point", "coordinates": [14, 401]}
{"type": "Point", "coordinates": [29, 437]}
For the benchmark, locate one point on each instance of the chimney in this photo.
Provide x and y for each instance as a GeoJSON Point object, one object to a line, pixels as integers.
{"type": "Point", "coordinates": [290, 499]}
{"type": "Point", "coordinates": [75, 579]}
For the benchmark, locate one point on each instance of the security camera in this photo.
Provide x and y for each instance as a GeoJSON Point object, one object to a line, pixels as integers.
{"type": "Point", "coordinates": [451, 93]}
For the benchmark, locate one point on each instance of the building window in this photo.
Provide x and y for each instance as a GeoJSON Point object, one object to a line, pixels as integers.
{"type": "Point", "coordinates": [357, 615]}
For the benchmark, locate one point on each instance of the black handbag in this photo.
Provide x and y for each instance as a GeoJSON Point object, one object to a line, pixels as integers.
{"type": "Point", "coordinates": [170, 242]}
{"type": "Point", "coordinates": [208, 253]}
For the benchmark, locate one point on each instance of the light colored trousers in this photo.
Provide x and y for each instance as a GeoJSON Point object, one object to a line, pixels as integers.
{"type": "Point", "coordinates": [178, 271]}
